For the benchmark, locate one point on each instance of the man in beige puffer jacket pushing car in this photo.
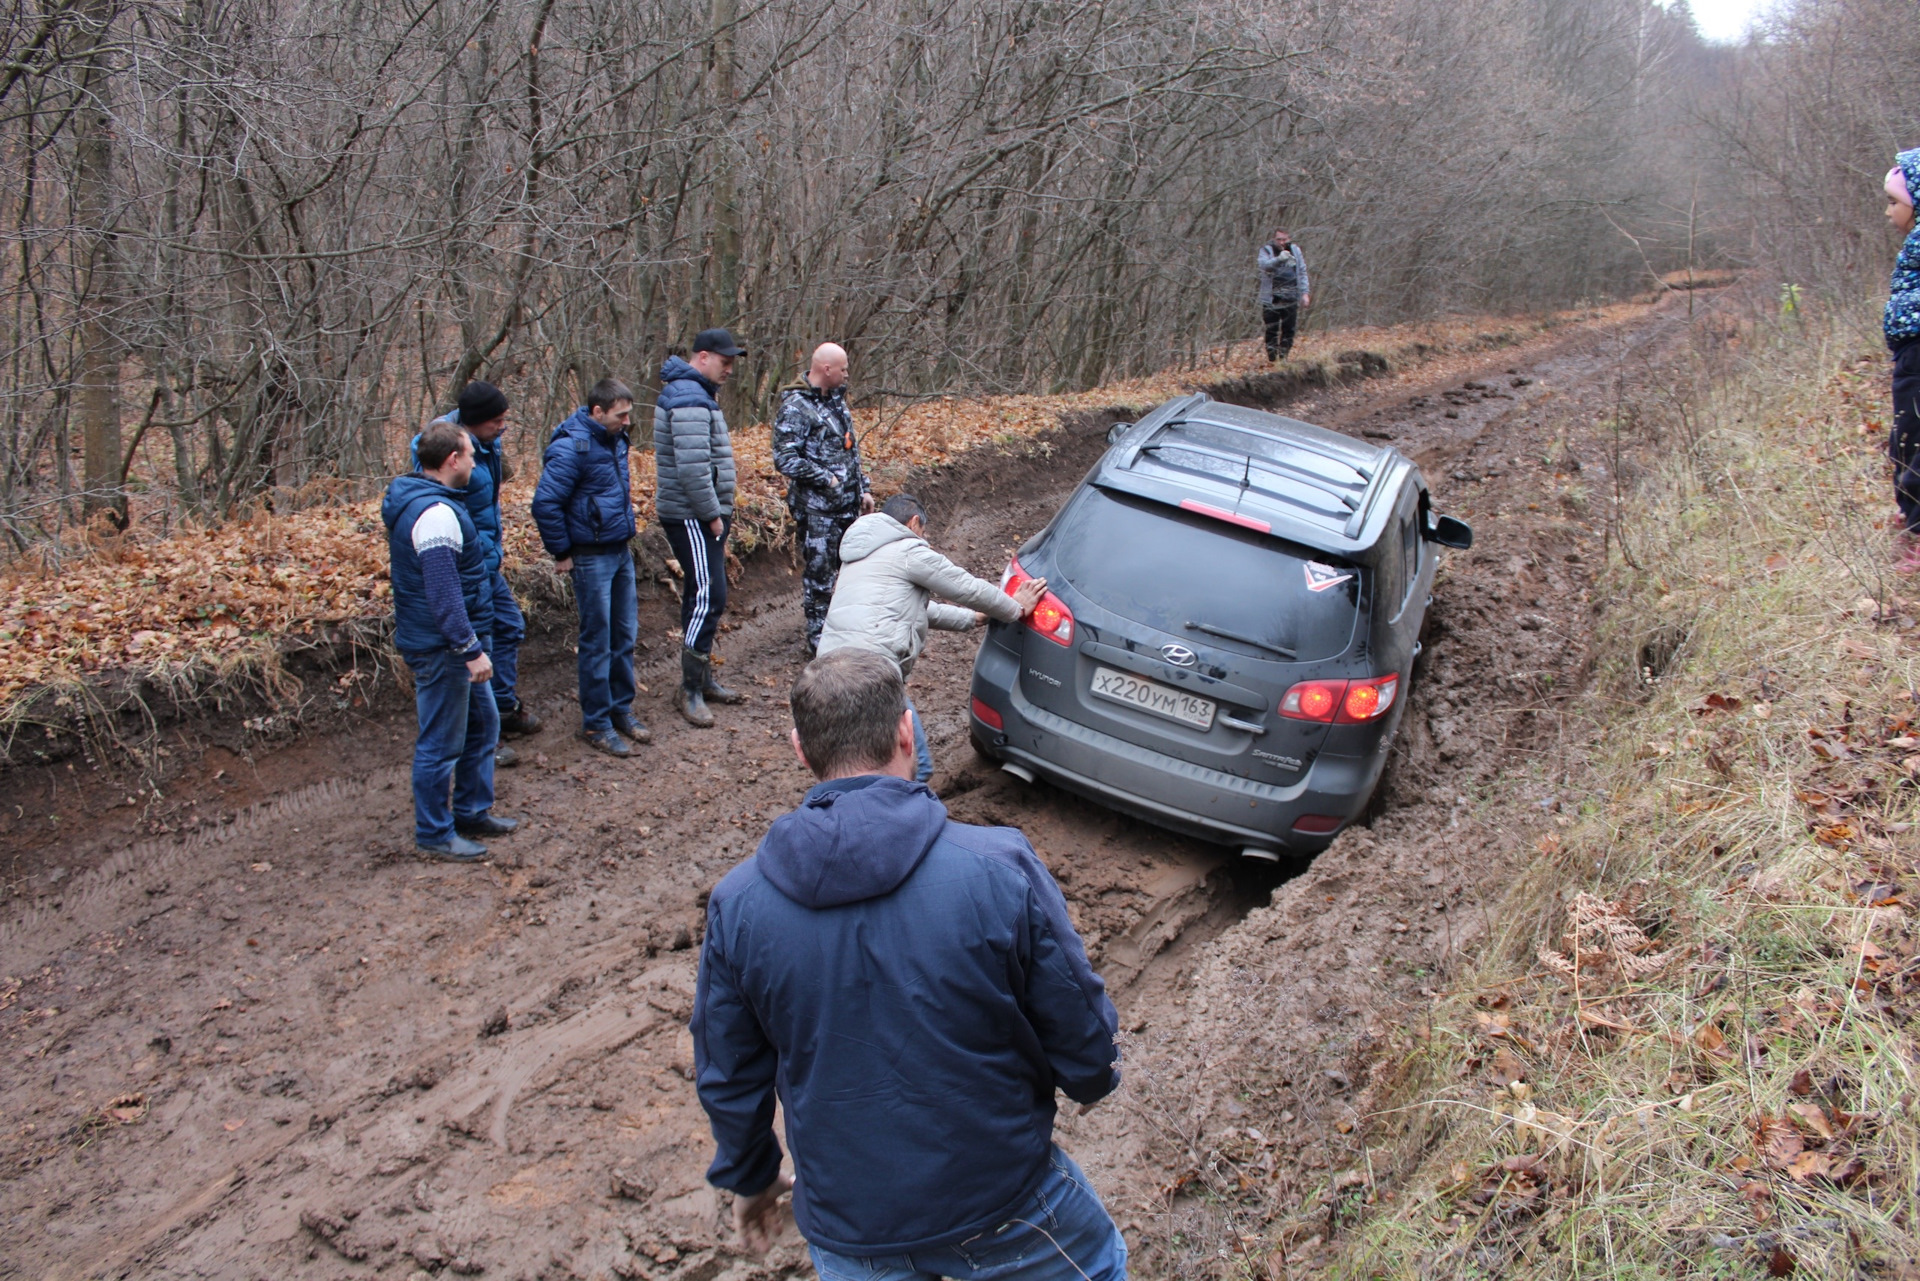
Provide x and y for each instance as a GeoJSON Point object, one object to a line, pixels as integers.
{"type": "Point", "coordinates": [884, 599]}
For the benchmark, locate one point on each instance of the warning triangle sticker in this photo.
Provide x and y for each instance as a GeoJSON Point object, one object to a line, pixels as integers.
{"type": "Point", "coordinates": [1322, 577]}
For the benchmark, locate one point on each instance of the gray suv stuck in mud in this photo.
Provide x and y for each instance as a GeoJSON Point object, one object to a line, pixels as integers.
{"type": "Point", "coordinates": [1235, 600]}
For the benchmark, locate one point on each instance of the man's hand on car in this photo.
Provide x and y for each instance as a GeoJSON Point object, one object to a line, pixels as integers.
{"type": "Point", "coordinates": [1028, 594]}
{"type": "Point", "coordinates": [757, 1218]}
{"type": "Point", "coordinates": [479, 669]}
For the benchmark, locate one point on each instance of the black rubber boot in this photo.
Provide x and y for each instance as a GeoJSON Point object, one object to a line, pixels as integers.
{"type": "Point", "coordinates": [690, 699]}
{"type": "Point", "coordinates": [715, 692]}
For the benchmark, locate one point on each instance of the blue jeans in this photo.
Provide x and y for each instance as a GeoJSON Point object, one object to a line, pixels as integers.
{"type": "Point", "coordinates": [509, 629]}
{"type": "Point", "coordinates": [922, 754]}
{"type": "Point", "coordinates": [609, 622]}
{"type": "Point", "coordinates": [459, 728]}
{"type": "Point", "coordinates": [1062, 1233]}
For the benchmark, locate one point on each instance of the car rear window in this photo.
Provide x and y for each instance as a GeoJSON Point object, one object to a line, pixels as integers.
{"type": "Point", "coordinates": [1168, 568]}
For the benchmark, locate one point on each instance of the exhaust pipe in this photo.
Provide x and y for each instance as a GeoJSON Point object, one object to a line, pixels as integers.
{"type": "Point", "coordinates": [1265, 856]}
{"type": "Point", "coordinates": [1020, 772]}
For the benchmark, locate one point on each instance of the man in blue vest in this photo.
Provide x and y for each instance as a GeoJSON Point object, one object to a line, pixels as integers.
{"type": "Point", "coordinates": [584, 508]}
{"type": "Point", "coordinates": [443, 608]}
{"type": "Point", "coordinates": [482, 411]}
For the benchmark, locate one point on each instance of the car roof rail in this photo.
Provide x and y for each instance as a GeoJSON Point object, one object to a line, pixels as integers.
{"type": "Point", "coordinates": [1346, 495]}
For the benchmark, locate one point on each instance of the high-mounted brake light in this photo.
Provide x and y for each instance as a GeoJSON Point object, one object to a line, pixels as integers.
{"type": "Point", "coordinates": [1341, 702]}
{"type": "Point", "coordinates": [1051, 617]}
{"type": "Point", "coordinates": [1232, 518]}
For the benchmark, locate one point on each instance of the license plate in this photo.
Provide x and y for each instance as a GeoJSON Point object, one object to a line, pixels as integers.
{"type": "Point", "coordinates": [1152, 696]}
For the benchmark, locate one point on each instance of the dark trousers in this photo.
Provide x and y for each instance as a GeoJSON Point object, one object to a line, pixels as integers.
{"type": "Point", "coordinates": [703, 585]}
{"type": "Point", "coordinates": [1280, 320]}
{"type": "Point", "coordinates": [509, 629]}
{"type": "Point", "coordinates": [820, 534]}
{"type": "Point", "coordinates": [459, 728]}
{"type": "Point", "coordinates": [603, 590]}
{"type": "Point", "coordinates": [1903, 443]}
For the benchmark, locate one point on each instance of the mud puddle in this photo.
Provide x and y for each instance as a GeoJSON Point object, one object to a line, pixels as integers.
{"type": "Point", "coordinates": [284, 1047]}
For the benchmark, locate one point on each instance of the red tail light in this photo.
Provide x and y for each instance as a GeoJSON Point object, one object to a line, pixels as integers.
{"type": "Point", "coordinates": [1317, 824]}
{"type": "Point", "coordinates": [1051, 617]}
{"type": "Point", "coordinates": [1368, 700]}
{"type": "Point", "coordinates": [1313, 700]}
{"type": "Point", "coordinates": [987, 716]}
{"type": "Point", "coordinates": [1341, 702]}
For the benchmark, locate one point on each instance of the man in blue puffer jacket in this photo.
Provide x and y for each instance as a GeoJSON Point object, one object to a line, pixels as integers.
{"type": "Point", "coordinates": [482, 412]}
{"type": "Point", "coordinates": [912, 991]}
{"type": "Point", "coordinates": [583, 506]}
{"type": "Point", "coordinates": [443, 608]}
{"type": "Point", "coordinates": [1902, 325]}
{"type": "Point", "coordinates": [693, 456]}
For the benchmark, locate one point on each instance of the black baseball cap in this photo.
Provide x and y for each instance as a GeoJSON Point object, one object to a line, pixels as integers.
{"type": "Point", "coordinates": [717, 341]}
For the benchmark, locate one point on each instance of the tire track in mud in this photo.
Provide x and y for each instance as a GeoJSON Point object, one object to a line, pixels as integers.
{"type": "Point", "coordinates": [441, 1063]}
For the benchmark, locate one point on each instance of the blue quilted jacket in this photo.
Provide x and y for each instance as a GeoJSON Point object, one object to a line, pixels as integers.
{"type": "Point", "coordinates": [1902, 319]}
{"type": "Point", "coordinates": [584, 501]}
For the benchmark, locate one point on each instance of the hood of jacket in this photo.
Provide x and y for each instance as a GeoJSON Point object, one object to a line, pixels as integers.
{"type": "Point", "coordinates": [869, 534]}
{"type": "Point", "coordinates": [801, 387]}
{"type": "Point", "coordinates": [851, 840]}
{"type": "Point", "coordinates": [405, 489]}
{"type": "Point", "coordinates": [582, 418]}
{"type": "Point", "coordinates": [675, 369]}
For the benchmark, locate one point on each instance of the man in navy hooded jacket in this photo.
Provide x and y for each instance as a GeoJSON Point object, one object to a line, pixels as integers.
{"type": "Point", "coordinates": [913, 992]}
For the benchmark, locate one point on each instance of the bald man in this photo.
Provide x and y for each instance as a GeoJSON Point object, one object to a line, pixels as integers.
{"type": "Point", "coordinates": [815, 449]}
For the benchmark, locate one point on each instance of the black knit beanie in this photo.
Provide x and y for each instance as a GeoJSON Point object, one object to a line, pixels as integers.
{"type": "Point", "coordinates": [481, 402]}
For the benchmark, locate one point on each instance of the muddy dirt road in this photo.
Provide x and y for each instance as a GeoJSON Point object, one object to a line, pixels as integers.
{"type": "Point", "coordinates": [284, 1047]}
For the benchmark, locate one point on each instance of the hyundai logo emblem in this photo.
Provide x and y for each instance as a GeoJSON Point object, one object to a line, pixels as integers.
{"type": "Point", "coordinates": [1178, 655]}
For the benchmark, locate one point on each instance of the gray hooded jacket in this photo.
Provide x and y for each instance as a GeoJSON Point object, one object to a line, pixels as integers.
{"type": "Point", "coordinates": [881, 602]}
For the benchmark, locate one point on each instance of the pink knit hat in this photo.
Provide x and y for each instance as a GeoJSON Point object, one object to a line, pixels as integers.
{"type": "Point", "coordinates": [1897, 187]}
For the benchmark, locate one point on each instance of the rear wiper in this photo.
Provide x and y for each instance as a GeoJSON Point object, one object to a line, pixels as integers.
{"type": "Point", "coordinates": [1269, 646]}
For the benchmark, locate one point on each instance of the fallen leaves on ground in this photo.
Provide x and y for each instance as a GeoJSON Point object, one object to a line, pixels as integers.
{"type": "Point", "coordinates": [166, 606]}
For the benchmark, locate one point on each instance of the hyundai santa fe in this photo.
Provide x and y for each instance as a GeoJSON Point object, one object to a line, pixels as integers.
{"type": "Point", "coordinates": [1234, 603]}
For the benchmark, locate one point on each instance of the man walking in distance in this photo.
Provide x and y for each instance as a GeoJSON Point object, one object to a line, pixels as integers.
{"type": "Point", "coordinates": [482, 411]}
{"type": "Point", "coordinates": [1284, 292]}
{"type": "Point", "coordinates": [693, 458]}
{"type": "Point", "coordinates": [882, 602]}
{"type": "Point", "coordinates": [913, 992]}
{"type": "Point", "coordinates": [443, 606]}
{"type": "Point", "coordinates": [815, 449]}
{"type": "Point", "coordinates": [584, 508]}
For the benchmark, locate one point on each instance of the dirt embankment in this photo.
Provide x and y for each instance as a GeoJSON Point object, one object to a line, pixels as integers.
{"type": "Point", "coordinates": [284, 1047]}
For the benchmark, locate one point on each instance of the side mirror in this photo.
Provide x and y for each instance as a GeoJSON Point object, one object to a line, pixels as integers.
{"type": "Point", "coordinates": [1449, 532]}
{"type": "Point", "coordinates": [1115, 432]}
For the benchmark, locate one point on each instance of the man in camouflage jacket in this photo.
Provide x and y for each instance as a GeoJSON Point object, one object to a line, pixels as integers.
{"type": "Point", "coordinates": [815, 449]}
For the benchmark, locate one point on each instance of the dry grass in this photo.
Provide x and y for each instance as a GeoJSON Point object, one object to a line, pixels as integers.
{"type": "Point", "coordinates": [1690, 1048]}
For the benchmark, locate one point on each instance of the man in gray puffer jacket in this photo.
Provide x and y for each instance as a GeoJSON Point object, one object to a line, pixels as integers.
{"type": "Point", "coordinates": [883, 599]}
{"type": "Point", "coordinates": [693, 457]}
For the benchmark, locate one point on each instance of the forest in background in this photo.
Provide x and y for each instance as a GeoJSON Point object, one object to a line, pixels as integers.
{"type": "Point", "coordinates": [249, 245]}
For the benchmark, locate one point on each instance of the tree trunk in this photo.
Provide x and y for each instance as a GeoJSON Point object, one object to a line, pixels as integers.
{"type": "Point", "coordinates": [726, 203]}
{"type": "Point", "coordinates": [97, 346]}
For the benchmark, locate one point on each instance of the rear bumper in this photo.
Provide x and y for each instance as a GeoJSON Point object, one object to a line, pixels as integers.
{"type": "Point", "coordinates": [1164, 790]}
